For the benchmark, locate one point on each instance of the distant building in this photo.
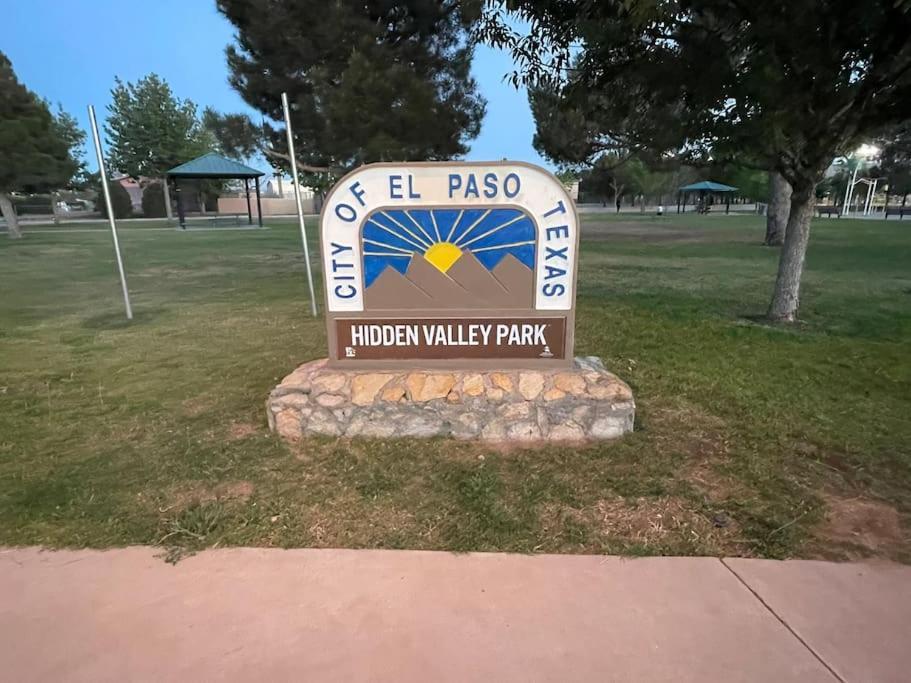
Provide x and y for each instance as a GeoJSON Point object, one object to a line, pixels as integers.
{"type": "Point", "coordinates": [573, 189]}
{"type": "Point", "coordinates": [133, 189]}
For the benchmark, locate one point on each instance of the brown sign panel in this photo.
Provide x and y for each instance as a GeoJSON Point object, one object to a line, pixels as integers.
{"type": "Point", "coordinates": [450, 338]}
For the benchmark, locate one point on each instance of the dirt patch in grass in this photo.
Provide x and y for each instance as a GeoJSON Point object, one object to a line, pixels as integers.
{"type": "Point", "coordinates": [241, 430]}
{"type": "Point", "coordinates": [701, 439]}
{"type": "Point", "coordinates": [662, 525]}
{"type": "Point", "coordinates": [194, 407]}
{"type": "Point", "coordinates": [858, 527]}
{"type": "Point", "coordinates": [667, 522]}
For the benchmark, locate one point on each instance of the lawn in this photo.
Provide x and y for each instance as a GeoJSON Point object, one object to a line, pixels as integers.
{"type": "Point", "coordinates": [751, 440]}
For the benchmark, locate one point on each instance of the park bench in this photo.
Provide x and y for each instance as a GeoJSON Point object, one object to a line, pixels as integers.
{"type": "Point", "coordinates": [225, 219]}
{"type": "Point", "coordinates": [828, 211]}
{"type": "Point", "coordinates": [899, 211]}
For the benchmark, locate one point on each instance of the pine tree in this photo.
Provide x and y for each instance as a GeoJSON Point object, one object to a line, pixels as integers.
{"type": "Point", "coordinates": [36, 153]}
{"type": "Point", "coordinates": [367, 81]}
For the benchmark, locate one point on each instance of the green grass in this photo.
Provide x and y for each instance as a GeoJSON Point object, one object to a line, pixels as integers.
{"type": "Point", "coordinates": [751, 440]}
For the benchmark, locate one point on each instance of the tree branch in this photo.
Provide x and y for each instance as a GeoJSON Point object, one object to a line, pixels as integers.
{"type": "Point", "coordinates": [306, 168]}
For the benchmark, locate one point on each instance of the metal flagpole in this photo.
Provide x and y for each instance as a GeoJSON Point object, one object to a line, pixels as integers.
{"type": "Point", "coordinates": [107, 203]}
{"type": "Point", "coordinates": [297, 197]}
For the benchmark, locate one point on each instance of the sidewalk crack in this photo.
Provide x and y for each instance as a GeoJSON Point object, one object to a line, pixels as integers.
{"type": "Point", "coordinates": [783, 622]}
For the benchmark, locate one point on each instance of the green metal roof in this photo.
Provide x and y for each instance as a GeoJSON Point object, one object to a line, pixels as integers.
{"type": "Point", "coordinates": [214, 165]}
{"type": "Point", "coordinates": [707, 186]}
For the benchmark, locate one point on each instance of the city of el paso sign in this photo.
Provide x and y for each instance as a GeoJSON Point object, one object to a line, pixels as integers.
{"type": "Point", "coordinates": [450, 300]}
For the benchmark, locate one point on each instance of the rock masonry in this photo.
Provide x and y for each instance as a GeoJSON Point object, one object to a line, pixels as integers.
{"type": "Point", "coordinates": [585, 402]}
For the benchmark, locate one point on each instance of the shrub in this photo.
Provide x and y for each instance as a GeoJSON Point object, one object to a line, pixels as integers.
{"type": "Point", "coordinates": [153, 200]}
{"type": "Point", "coordinates": [120, 201]}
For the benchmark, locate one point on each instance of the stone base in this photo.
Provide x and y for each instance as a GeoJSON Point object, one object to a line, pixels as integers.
{"type": "Point", "coordinates": [581, 403]}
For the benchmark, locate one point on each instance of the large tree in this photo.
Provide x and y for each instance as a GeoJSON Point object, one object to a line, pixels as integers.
{"type": "Point", "coordinates": [367, 81]}
{"type": "Point", "coordinates": [794, 82]}
{"type": "Point", "coordinates": [38, 151]}
{"type": "Point", "coordinates": [150, 130]}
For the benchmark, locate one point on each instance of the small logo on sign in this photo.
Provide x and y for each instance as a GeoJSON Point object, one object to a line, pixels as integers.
{"type": "Point", "coordinates": [546, 352]}
{"type": "Point", "coordinates": [350, 352]}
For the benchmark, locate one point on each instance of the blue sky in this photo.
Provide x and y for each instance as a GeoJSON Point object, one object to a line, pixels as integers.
{"type": "Point", "coordinates": [69, 53]}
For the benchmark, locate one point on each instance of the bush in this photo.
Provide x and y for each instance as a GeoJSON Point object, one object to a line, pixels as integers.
{"type": "Point", "coordinates": [120, 201]}
{"type": "Point", "coordinates": [153, 201]}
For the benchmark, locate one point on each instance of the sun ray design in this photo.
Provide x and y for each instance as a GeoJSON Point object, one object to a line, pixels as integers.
{"type": "Point", "coordinates": [503, 246]}
{"type": "Point", "coordinates": [444, 237]}
{"type": "Point", "coordinates": [462, 243]}
{"type": "Point", "coordinates": [387, 246]}
{"type": "Point", "coordinates": [455, 224]}
{"type": "Point", "coordinates": [393, 232]}
{"type": "Point", "coordinates": [474, 225]}
{"type": "Point", "coordinates": [436, 228]}
{"type": "Point", "coordinates": [425, 238]}
{"type": "Point", "coordinates": [419, 226]}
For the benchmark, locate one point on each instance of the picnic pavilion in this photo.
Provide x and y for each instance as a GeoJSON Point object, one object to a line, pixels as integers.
{"type": "Point", "coordinates": [213, 166]}
{"type": "Point", "coordinates": [701, 190]}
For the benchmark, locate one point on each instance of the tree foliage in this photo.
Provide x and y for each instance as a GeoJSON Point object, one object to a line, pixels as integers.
{"type": "Point", "coordinates": [150, 130]}
{"type": "Point", "coordinates": [366, 81]}
{"type": "Point", "coordinates": [793, 82]}
{"type": "Point", "coordinates": [38, 151]}
{"type": "Point", "coordinates": [895, 159]}
{"type": "Point", "coordinates": [235, 135]}
{"type": "Point", "coordinates": [120, 201]}
{"type": "Point", "coordinates": [153, 201]}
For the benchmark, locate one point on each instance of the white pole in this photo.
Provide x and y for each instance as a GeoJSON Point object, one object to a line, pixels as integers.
{"type": "Point", "coordinates": [297, 197]}
{"type": "Point", "coordinates": [868, 198]}
{"type": "Point", "coordinates": [872, 196]}
{"type": "Point", "coordinates": [849, 192]}
{"type": "Point", "coordinates": [107, 204]}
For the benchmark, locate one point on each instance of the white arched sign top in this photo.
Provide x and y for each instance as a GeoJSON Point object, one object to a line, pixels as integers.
{"type": "Point", "coordinates": [459, 185]}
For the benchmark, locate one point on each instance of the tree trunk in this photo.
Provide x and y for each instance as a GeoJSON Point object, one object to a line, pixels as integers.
{"type": "Point", "coordinates": [281, 193]}
{"type": "Point", "coordinates": [54, 208]}
{"type": "Point", "coordinates": [786, 299]}
{"type": "Point", "coordinates": [777, 214]}
{"type": "Point", "coordinates": [9, 213]}
{"type": "Point", "coordinates": [167, 199]}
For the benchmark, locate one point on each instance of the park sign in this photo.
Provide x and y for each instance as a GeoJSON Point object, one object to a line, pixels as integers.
{"type": "Point", "coordinates": [450, 264]}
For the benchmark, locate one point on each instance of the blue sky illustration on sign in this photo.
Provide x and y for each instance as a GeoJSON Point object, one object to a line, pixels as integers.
{"type": "Point", "coordinates": [392, 237]}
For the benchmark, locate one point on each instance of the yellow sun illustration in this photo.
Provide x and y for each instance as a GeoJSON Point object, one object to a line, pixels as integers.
{"type": "Point", "coordinates": [443, 255]}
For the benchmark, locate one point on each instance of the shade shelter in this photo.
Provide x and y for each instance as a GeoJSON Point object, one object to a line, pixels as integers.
{"type": "Point", "coordinates": [216, 167]}
{"type": "Point", "coordinates": [703, 188]}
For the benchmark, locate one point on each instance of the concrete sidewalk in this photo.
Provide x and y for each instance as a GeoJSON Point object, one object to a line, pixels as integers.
{"type": "Point", "coordinates": [345, 615]}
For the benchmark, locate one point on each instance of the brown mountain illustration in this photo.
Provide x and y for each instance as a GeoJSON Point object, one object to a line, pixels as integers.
{"type": "Point", "coordinates": [467, 284]}
{"type": "Point", "coordinates": [445, 292]}
{"type": "Point", "coordinates": [518, 279]}
{"type": "Point", "coordinates": [393, 290]}
{"type": "Point", "coordinates": [473, 276]}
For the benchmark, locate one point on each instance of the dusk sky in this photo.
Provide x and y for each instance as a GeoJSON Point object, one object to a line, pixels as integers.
{"type": "Point", "coordinates": [70, 52]}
